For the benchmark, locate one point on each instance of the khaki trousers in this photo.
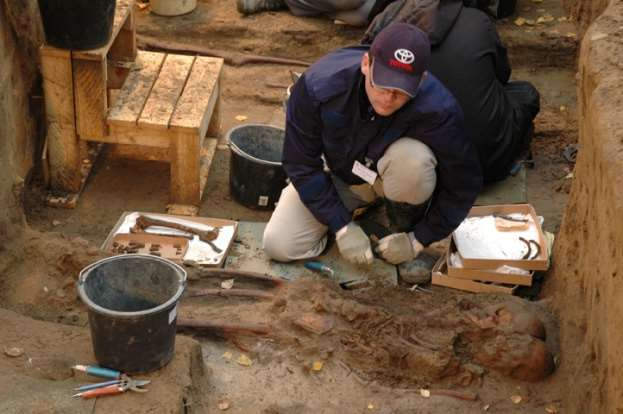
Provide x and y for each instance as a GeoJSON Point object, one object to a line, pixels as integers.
{"type": "Point", "coordinates": [406, 174]}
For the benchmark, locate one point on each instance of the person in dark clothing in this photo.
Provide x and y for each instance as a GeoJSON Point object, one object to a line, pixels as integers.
{"type": "Point", "coordinates": [368, 122]}
{"type": "Point", "coordinates": [468, 57]}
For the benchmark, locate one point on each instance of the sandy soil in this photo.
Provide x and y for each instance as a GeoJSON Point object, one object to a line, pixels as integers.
{"type": "Point", "coordinates": [384, 344]}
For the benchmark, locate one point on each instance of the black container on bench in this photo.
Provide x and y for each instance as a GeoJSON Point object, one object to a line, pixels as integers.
{"type": "Point", "coordinates": [77, 24]}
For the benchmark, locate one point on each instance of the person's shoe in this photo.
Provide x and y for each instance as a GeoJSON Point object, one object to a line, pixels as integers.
{"type": "Point", "coordinates": [403, 216]}
{"type": "Point", "coordinates": [256, 6]}
{"type": "Point", "coordinates": [417, 271]}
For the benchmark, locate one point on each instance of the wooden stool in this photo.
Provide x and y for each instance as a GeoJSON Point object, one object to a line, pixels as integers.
{"type": "Point", "coordinates": [169, 104]}
{"type": "Point", "coordinates": [166, 105]}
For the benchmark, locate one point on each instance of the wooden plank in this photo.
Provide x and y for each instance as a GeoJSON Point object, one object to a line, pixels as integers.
{"type": "Point", "coordinates": [185, 156]}
{"type": "Point", "coordinates": [63, 145]}
{"type": "Point", "coordinates": [122, 11]}
{"type": "Point", "coordinates": [195, 106]}
{"type": "Point", "coordinates": [166, 92]}
{"type": "Point", "coordinates": [139, 152]}
{"type": "Point", "coordinates": [182, 210]}
{"type": "Point", "coordinates": [469, 285]}
{"type": "Point", "coordinates": [90, 81]}
{"type": "Point", "coordinates": [117, 73]}
{"type": "Point", "coordinates": [134, 135]}
{"type": "Point", "coordinates": [207, 155]}
{"type": "Point", "coordinates": [214, 128]}
{"type": "Point", "coordinates": [124, 46]}
{"type": "Point", "coordinates": [136, 88]}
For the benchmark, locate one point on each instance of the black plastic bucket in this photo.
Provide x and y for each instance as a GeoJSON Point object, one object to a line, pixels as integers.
{"type": "Point", "coordinates": [256, 176]}
{"type": "Point", "coordinates": [132, 301]}
{"type": "Point", "coordinates": [77, 24]}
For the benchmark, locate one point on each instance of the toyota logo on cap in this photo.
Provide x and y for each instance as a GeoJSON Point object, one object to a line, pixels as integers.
{"type": "Point", "coordinates": [404, 56]}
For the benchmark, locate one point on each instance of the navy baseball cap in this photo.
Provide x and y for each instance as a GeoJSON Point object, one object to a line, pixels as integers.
{"type": "Point", "coordinates": [400, 54]}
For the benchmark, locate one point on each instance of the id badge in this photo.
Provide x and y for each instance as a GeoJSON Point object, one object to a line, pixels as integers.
{"type": "Point", "coordinates": [364, 172]}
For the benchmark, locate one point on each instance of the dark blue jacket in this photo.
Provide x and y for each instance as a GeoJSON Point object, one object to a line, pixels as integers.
{"type": "Point", "coordinates": [329, 114]}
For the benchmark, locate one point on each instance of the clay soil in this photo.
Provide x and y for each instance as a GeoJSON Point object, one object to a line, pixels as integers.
{"type": "Point", "coordinates": [382, 345]}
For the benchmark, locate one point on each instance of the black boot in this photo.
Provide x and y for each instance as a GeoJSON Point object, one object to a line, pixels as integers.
{"type": "Point", "coordinates": [403, 216]}
{"type": "Point", "coordinates": [256, 6]}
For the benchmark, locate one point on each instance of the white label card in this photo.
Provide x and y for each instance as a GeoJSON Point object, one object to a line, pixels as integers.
{"type": "Point", "coordinates": [364, 172]}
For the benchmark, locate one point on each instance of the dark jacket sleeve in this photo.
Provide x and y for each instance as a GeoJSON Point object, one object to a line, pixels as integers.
{"type": "Point", "coordinates": [302, 160]}
{"type": "Point", "coordinates": [459, 178]}
{"type": "Point", "coordinates": [500, 58]}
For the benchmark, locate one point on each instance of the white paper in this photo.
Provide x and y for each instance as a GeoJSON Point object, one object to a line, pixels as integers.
{"type": "Point", "coordinates": [364, 173]}
{"type": "Point", "coordinates": [478, 238]}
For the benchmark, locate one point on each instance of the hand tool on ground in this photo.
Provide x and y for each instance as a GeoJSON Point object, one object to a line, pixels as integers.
{"type": "Point", "coordinates": [98, 371]}
{"type": "Point", "coordinates": [320, 267]}
{"type": "Point", "coordinates": [125, 384]}
{"type": "Point", "coordinates": [327, 270]}
{"type": "Point", "coordinates": [118, 380]}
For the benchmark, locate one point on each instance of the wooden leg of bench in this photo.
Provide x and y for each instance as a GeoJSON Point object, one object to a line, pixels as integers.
{"type": "Point", "coordinates": [63, 145]}
{"type": "Point", "coordinates": [185, 158]}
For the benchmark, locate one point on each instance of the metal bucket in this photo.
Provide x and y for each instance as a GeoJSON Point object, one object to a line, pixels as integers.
{"type": "Point", "coordinates": [132, 301]}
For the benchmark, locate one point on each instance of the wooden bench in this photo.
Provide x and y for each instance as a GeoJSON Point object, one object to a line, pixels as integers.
{"type": "Point", "coordinates": [165, 107]}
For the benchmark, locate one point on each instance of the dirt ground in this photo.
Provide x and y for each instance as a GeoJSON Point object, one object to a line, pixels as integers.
{"type": "Point", "coordinates": [380, 350]}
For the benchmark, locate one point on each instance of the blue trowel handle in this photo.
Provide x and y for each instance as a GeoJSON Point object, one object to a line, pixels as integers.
{"type": "Point", "coordinates": [98, 371]}
{"type": "Point", "coordinates": [319, 267]}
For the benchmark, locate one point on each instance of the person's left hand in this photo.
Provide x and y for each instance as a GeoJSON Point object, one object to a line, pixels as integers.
{"type": "Point", "coordinates": [399, 247]}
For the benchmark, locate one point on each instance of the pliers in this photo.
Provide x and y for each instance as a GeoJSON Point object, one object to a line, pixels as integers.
{"type": "Point", "coordinates": [120, 382]}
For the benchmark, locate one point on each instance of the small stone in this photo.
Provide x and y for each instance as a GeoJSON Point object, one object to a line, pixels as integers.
{"type": "Point", "coordinates": [224, 405]}
{"type": "Point", "coordinates": [516, 399]}
{"type": "Point", "coordinates": [425, 393]}
{"type": "Point", "coordinates": [227, 284]}
{"type": "Point", "coordinates": [56, 223]}
{"type": "Point", "coordinates": [244, 360]}
{"type": "Point", "coordinates": [13, 352]}
{"type": "Point", "coordinates": [317, 366]}
{"type": "Point", "coordinates": [93, 251]}
{"type": "Point", "coordinates": [551, 409]}
{"type": "Point", "coordinates": [598, 36]}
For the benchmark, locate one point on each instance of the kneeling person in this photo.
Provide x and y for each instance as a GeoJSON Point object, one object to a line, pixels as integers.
{"type": "Point", "coordinates": [367, 122]}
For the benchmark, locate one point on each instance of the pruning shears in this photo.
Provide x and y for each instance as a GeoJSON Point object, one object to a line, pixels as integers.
{"type": "Point", "coordinates": [118, 384]}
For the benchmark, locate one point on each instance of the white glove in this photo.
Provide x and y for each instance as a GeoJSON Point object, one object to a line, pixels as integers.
{"type": "Point", "coordinates": [354, 244]}
{"type": "Point", "coordinates": [399, 247]}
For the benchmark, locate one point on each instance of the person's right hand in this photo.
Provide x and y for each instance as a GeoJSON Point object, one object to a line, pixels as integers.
{"type": "Point", "coordinates": [354, 244]}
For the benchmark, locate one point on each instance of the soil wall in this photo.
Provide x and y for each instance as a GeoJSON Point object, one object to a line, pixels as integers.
{"type": "Point", "coordinates": [587, 277]}
{"type": "Point", "coordinates": [20, 35]}
{"type": "Point", "coordinates": [585, 11]}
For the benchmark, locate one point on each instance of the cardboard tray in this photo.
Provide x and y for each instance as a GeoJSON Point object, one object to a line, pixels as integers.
{"type": "Point", "coordinates": [541, 262]}
{"type": "Point", "coordinates": [441, 278]}
{"type": "Point", "coordinates": [485, 275]}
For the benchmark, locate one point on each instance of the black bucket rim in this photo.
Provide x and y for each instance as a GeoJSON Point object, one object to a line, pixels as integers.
{"type": "Point", "coordinates": [99, 309]}
{"type": "Point", "coordinates": [235, 148]}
